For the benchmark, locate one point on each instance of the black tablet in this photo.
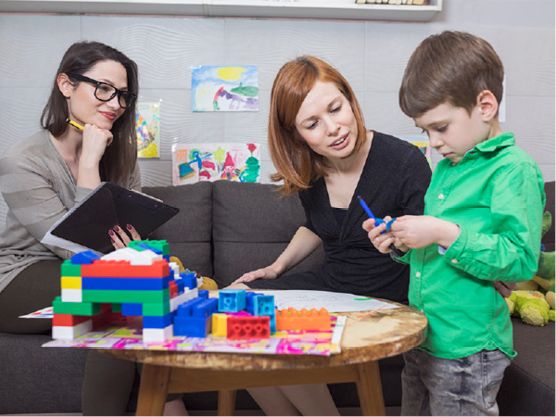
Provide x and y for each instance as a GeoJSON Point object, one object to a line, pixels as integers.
{"type": "Point", "coordinates": [87, 223]}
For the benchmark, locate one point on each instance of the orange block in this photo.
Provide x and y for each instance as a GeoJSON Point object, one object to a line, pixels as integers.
{"type": "Point", "coordinates": [293, 319]}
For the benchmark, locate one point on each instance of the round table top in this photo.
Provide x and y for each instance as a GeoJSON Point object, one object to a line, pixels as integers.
{"type": "Point", "coordinates": [367, 336]}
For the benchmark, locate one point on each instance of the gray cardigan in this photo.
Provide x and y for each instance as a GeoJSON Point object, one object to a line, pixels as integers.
{"type": "Point", "coordinates": [38, 188]}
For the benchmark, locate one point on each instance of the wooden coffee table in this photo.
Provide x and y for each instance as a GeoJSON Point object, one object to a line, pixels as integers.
{"type": "Point", "coordinates": [368, 337]}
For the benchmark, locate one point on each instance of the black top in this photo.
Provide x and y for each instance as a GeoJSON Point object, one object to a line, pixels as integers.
{"type": "Point", "coordinates": [393, 182]}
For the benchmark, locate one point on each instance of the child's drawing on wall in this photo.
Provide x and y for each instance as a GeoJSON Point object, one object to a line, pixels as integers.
{"type": "Point", "coordinates": [147, 128]}
{"type": "Point", "coordinates": [224, 88]}
{"type": "Point", "coordinates": [215, 161]}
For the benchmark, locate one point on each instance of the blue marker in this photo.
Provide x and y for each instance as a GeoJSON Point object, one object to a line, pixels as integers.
{"type": "Point", "coordinates": [369, 212]}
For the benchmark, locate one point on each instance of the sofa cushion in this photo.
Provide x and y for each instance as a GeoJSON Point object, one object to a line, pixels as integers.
{"type": "Point", "coordinates": [189, 232]}
{"type": "Point", "coordinates": [39, 380]}
{"type": "Point", "coordinates": [548, 238]}
{"type": "Point", "coordinates": [252, 224]}
{"type": "Point", "coordinates": [528, 385]}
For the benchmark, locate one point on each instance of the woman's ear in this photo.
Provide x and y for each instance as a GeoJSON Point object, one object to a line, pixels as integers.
{"type": "Point", "coordinates": [488, 105]}
{"type": "Point", "coordinates": [64, 85]}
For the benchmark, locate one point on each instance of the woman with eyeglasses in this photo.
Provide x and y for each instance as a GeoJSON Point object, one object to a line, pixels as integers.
{"type": "Point", "coordinates": [88, 136]}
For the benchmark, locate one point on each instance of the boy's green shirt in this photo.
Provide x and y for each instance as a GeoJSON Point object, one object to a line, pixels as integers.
{"type": "Point", "coordinates": [496, 196]}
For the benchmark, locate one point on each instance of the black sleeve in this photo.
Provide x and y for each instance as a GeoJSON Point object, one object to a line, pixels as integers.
{"type": "Point", "coordinates": [415, 180]}
{"type": "Point", "coordinates": [306, 206]}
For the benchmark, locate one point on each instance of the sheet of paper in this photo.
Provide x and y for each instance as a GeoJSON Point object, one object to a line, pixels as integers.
{"type": "Point", "coordinates": [332, 301]}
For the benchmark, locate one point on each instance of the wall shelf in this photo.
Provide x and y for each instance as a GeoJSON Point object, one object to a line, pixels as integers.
{"type": "Point", "coordinates": [317, 9]}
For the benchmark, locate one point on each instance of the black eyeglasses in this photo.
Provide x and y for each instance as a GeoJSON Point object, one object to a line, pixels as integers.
{"type": "Point", "coordinates": [106, 92]}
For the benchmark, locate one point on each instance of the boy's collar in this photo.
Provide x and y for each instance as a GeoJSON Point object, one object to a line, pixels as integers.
{"type": "Point", "coordinates": [501, 141]}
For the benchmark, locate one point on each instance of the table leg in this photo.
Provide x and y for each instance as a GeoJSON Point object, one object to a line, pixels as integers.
{"type": "Point", "coordinates": [369, 389]}
{"type": "Point", "coordinates": [152, 390]}
{"type": "Point", "coordinates": [226, 402]}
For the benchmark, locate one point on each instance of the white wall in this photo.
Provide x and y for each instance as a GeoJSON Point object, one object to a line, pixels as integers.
{"type": "Point", "coordinates": [371, 54]}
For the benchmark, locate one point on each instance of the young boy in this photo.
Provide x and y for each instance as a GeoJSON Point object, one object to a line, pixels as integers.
{"type": "Point", "coordinates": [482, 223]}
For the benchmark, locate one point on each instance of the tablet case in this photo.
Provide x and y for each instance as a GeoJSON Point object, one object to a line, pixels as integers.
{"type": "Point", "coordinates": [87, 223]}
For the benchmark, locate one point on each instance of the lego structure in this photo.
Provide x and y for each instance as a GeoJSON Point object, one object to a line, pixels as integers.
{"type": "Point", "coordinates": [140, 281]}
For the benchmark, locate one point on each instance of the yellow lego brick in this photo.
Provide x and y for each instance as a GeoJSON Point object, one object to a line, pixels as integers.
{"type": "Point", "coordinates": [71, 282]}
{"type": "Point", "coordinates": [219, 324]}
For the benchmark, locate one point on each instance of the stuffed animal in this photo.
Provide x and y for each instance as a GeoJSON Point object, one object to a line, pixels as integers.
{"type": "Point", "coordinates": [204, 283]}
{"type": "Point", "coordinates": [533, 300]}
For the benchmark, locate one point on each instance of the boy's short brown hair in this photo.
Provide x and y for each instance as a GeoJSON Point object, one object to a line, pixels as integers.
{"type": "Point", "coordinates": [450, 67]}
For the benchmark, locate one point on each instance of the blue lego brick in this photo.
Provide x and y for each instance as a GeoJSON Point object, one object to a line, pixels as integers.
{"type": "Point", "coordinates": [205, 308]}
{"type": "Point", "coordinates": [273, 324]}
{"type": "Point", "coordinates": [186, 309]}
{"type": "Point", "coordinates": [231, 301]}
{"type": "Point", "coordinates": [263, 305]}
{"type": "Point", "coordinates": [192, 326]}
{"type": "Point", "coordinates": [85, 257]}
{"type": "Point", "coordinates": [249, 305]}
{"type": "Point", "coordinates": [132, 309]}
{"type": "Point", "coordinates": [189, 279]}
{"type": "Point", "coordinates": [180, 285]}
{"type": "Point", "coordinates": [160, 322]}
{"type": "Point", "coordinates": [125, 283]}
{"type": "Point", "coordinates": [203, 294]}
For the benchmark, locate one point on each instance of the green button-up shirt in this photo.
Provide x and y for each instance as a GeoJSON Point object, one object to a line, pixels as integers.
{"type": "Point", "coordinates": [496, 196]}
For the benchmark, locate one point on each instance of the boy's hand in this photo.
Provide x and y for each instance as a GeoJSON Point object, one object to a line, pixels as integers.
{"type": "Point", "coordinates": [421, 231]}
{"type": "Point", "coordinates": [381, 240]}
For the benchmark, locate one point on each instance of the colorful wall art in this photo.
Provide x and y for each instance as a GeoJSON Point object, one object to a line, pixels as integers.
{"type": "Point", "coordinates": [224, 88]}
{"type": "Point", "coordinates": [215, 161]}
{"type": "Point", "coordinates": [147, 128]}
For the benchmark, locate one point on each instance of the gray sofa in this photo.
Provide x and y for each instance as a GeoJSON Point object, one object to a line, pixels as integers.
{"type": "Point", "coordinates": [223, 230]}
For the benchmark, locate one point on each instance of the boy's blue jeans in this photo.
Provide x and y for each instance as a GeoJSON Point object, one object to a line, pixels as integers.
{"type": "Point", "coordinates": [452, 387]}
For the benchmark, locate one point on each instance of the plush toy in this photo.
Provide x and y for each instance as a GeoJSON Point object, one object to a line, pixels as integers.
{"type": "Point", "coordinates": [533, 300]}
{"type": "Point", "coordinates": [204, 283]}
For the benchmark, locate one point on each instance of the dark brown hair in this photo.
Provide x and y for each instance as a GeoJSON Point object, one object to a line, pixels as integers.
{"type": "Point", "coordinates": [296, 163]}
{"type": "Point", "coordinates": [450, 67]}
{"type": "Point", "coordinates": [119, 159]}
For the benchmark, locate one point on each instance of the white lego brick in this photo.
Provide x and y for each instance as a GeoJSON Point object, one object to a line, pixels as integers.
{"type": "Point", "coordinates": [158, 335]}
{"type": "Point", "coordinates": [72, 295]}
{"type": "Point", "coordinates": [71, 332]}
{"type": "Point", "coordinates": [135, 257]}
{"type": "Point", "coordinates": [188, 294]}
{"type": "Point", "coordinates": [175, 269]}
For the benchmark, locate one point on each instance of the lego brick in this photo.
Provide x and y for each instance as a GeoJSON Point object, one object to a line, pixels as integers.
{"type": "Point", "coordinates": [157, 335]}
{"type": "Point", "coordinates": [219, 324]}
{"type": "Point", "coordinates": [186, 296]}
{"type": "Point", "coordinates": [84, 258]}
{"type": "Point", "coordinates": [134, 257]}
{"type": "Point", "coordinates": [133, 309]}
{"type": "Point", "coordinates": [263, 305]}
{"type": "Point", "coordinates": [186, 309]}
{"type": "Point", "coordinates": [158, 246]}
{"type": "Point", "coordinates": [231, 301]}
{"type": "Point", "coordinates": [192, 326]}
{"type": "Point", "coordinates": [253, 327]}
{"type": "Point", "coordinates": [71, 332]}
{"type": "Point", "coordinates": [123, 269]}
{"type": "Point", "coordinates": [160, 322]}
{"type": "Point", "coordinates": [78, 309]}
{"type": "Point", "coordinates": [70, 295]}
{"type": "Point", "coordinates": [68, 319]}
{"type": "Point", "coordinates": [105, 283]}
{"type": "Point", "coordinates": [70, 270]}
{"type": "Point", "coordinates": [173, 289]}
{"type": "Point", "coordinates": [203, 294]}
{"type": "Point", "coordinates": [189, 279]}
{"type": "Point", "coordinates": [156, 309]}
{"type": "Point", "coordinates": [205, 308]}
{"type": "Point", "coordinates": [126, 296]}
{"type": "Point", "coordinates": [293, 319]}
{"type": "Point", "coordinates": [71, 282]}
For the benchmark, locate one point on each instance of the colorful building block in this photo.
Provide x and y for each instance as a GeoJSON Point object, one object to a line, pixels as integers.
{"type": "Point", "coordinates": [248, 327]}
{"type": "Point", "coordinates": [293, 319]}
{"type": "Point", "coordinates": [231, 301]}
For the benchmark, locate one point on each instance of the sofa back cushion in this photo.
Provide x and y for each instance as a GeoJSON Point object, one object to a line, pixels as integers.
{"type": "Point", "coordinates": [189, 233]}
{"type": "Point", "coordinates": [252, 225]}
{"type": "Point", "coordinates": [548, 238]}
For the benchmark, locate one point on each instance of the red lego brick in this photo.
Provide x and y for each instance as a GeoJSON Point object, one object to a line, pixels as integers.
{"type": "Point", "coordinates": [68, 320]}
{"type": "Point", "coordinates": [245, 327]}
{"type": "Point", "coordinates": [173, 289]}
{"type": "Point", "coordinates": [123, 269]}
